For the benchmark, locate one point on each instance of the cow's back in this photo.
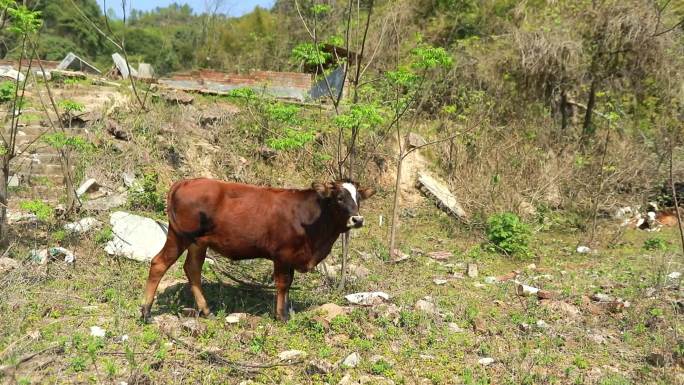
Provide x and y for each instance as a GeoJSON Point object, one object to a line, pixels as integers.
{"type": "Point", "coordinates": [237, 220]}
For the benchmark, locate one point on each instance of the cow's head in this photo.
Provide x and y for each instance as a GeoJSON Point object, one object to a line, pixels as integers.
{"type": "Point", "coordinates": [344, 198]}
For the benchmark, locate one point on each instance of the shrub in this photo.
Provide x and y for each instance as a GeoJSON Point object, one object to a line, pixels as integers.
{"type": "Point", "coordinates": [655, 243]}
{"type": "Point", "coordinates": [509, 234]}
{"type": "Point", "coordinates": [39, 208]}
{"type": "Point", "coordinates": [147, 197]}
{"type": "Point", "coordinates": [7, 91]}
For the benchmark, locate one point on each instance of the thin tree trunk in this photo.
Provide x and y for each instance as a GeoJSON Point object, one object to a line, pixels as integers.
{"type": "Point", "coordinates": [395, 207]}
{"type": "Point", "coordinates": [564, 110]}
{"type": "Point", "coordinates": [4, 178]}
{"type": "Point", "coordinates": [587, 128]}
{"type": "Point", "coordinates": [674, 195]}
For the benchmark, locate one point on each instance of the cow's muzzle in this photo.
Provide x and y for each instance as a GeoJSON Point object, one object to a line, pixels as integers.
{"type": "Point", "coordinates": [355, 221]}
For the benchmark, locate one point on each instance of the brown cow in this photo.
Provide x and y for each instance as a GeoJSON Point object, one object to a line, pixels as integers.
{"type": "Point", "coordinates": [295, 229]}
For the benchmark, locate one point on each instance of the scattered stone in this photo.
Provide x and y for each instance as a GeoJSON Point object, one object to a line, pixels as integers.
{"type": "Point", "coordinates": [8, 264]}
{"type": "Point", "coordinates": [545, 294]}
{"type": "Point", "coordinates": [267, 153]}
{"type": "Point", "coordinates": [541, 324]}
{"type": "Point", "coordinates": [656, 359]}
{"type": "Point", "coordinates": [650, 292]}
{"type": "Point", "coordinates": [42, 256]}
{"type": "Point", "coordinates": [597, 338]}
{"type": "Point", "coordinates": [485, 361]}
{"type": "Point", "coordinates": [235, 318]}
{"type": "Point", "coordinates": [135, 237]}
{"type": "Point", "coordinates": [176, 97]}
{"type": "Point", "coordinates": [414, 140]}
{"type": "Point", "coordinates": [89, 185]}
{"type": "Point", "coordinates": [490, 280]}
{"type": "Point", "coordinates": [351, 361]}
{"type": "Point", "coordinates": [426, 305]}
{"type": "Point", "coordinates": [17, 217]}
{"type": "Point", "coordinates": [330, 311]}
{"type": "Point", "coordinates": [399, 256]}
{"type": "Point", "coordinates": [13, 181]}
{"type": "Point", "coordinates": [479, 285]}
{"type": "Point", "coordinates": [292, 355]}
{"type": "Point", "coordinates": [562, 307]}
{"type": "Point", "coordinates": [525, 290]}
{"type": "Point", "coordinates": [440, 255]}
{"type": "Point", "coordinates": [193, 327]}
{"type": "Point", "coordinates": [583, 249]}
{"type": "Point", "coordinates": [479, 325]}
{"type": "Point", "coordinates": [106, 202]}
{"type": "Point", "coordinates": [439, 281]}
{"type": "Point", "coordinates": [674, 275]}
{"type": "Point", "coordinates": [82, 226]}
{"type": "Point", "coordinates": [97, 331]}
{"type": "Point", "coordinates": [600, 297]}
{"type": "Point", "coordinates": [115, 130]}
{"type": "Point", "coordinates": [346, 380]}
{"type": "Point", "coordinates": [319, 367]}
{"type": "Point", "coordinates": [472, 270]}
{"type": "Point", "coordinates": [440, 192]}
{"type": "Point", "coordinates": [168, 323]}
{"type": "Point", "coordinates": [189, 312]}
{"type": "Point", "coordinates": [531, 266]}
{"type": "Point", "coordinates": [367, 298]}
{"type": "Point", "coordinates": [454, 328]}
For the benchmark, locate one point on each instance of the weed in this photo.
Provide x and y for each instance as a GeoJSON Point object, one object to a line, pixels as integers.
{"type": "Point", "coordinates": [655, 243]}
{"type": "Point", "coordinates": [7, 89]}
{"type": "Point", "coordinates": [59, 235]}
{"type": "Point", "coordinates": [381, 368]}
{"type": "Point", "coordinates": [147, 196]}
{"type": "Point", "coordinates": [580, 362]}
{"type": "Point", "coordinates": [39, 208]}
{"type": "Point", "coordinates": [104, 235]}
{"type": "Point", "coordinates": [508, 233]}
{"type": "Point", "coordinates": [111, 369]}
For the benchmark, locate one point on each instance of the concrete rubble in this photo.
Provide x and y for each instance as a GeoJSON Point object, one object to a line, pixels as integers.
{"type": "Point", "coordinates": [438, 190]}
{"type": "Point", "coordinates": [135, 237]}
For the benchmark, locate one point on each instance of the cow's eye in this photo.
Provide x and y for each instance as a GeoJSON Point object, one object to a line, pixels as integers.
{"type": "Point", "coordinates": [339, 200]}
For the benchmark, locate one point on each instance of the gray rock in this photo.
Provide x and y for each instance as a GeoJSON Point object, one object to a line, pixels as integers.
{"type": "Point", "coordinates": [426, 306]}
{"type": "Point", "coordinates": [292, 355]}
{"type": "Point", "coordinates": [319, 367]}
{"type": "Point", "coordinates": [439, 191]}
{"type": "Point", "coordinates": [106, 202]}
{"type": "Point", "coordinates": [367, 298]}
{"type": "Point", "coordinates": [351, 361]}
{"type": "Point", "coordinates": [486, 361]}
{"type": "Point", "coordinates": [235, 318]}
{"type": "Point", "coordinates": [82, 226]}
{"type": "Point", "coordinates": [414, 140]}
{"type": "Point", "coordinates": [87, 186]}
{"type": "Point", "coordinates": [194, 327]}
{"type": "Point", "coordinates": [135, 237]}
{"type": "Point", "coordinates": [454, 328]}
{"type": "Point", "coordinates": [7, 264]}
{"type": "Point", "coordinates": [472, 270]}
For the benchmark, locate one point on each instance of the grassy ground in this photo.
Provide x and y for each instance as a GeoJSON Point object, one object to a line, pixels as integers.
{"type": "Point", "coordinates": [53, 307]}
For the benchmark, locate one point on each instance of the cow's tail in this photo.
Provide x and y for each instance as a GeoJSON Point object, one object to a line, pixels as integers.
{"type": "Point", "coordinates": [170, 204]}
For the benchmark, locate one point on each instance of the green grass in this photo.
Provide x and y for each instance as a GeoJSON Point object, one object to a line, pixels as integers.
{"type": "Point", "coordinates": [106, 292]}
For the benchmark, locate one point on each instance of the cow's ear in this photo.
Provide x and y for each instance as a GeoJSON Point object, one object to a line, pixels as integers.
{"type": "Point", "coordinates": [323, 190]}
{"type": "Point", "coordinates": [366, 193]}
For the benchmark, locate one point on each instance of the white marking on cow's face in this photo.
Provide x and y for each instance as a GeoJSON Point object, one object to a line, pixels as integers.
{"type": "Point", "coordinates": [352, 190]}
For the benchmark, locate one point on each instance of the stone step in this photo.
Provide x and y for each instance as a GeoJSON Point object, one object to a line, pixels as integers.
{"type": "Point", "coordinates": [39, 130]}
{"type": "Point", "coordinates": [38, 158]}
{"type": "Point", "coordinates": [47, 180]}
{"type": "Point", "coordinates": [38, 168]}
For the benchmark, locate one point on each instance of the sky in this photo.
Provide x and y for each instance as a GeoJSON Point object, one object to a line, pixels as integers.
{"type": "Point", "coordinates": [230, 7]}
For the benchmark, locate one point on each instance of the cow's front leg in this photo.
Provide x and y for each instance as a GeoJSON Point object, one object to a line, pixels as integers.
{"type": "Point", "coordinates": [283, 276]}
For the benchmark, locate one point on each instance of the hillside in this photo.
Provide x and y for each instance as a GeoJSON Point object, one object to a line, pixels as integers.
{"type": "Point", "coordinates": [552, 129]}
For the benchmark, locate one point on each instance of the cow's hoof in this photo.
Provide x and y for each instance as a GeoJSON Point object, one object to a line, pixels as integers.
{"type": "Point", "coordinates": [209, 315]}
{"type": "Point", "coordinates": [145, 314]}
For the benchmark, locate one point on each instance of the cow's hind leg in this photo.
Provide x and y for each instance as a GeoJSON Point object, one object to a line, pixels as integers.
{"type": "Point", "coordinates": [193, 269]}
{"type": "Point", "coordinates": [161, 262]}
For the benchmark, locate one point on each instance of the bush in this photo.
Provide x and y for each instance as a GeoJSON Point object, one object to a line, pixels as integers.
{"type": "Point", "coordinates": [508, 234]}
{"type": "Point", "coordinates": [655, 243]}
{"type": "Point", "coordinates": [39, 208]}
{"type": "Point", "coordinates": [146, 196]}
{"type": "Point", "coordinates": [6, 91]}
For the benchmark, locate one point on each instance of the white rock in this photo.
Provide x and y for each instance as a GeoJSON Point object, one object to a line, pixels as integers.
{"type": "Point", "coordinates": [491, 280]}
{"type": "Point", "coordinates": [292, 355]}
{"type": "Point", "coordinates": [525, 290]}
{"type": "Point", "coordinates": [453, 327]}
{"type": "Point", "coordinates": [82, 226]}
{"type": "Point", "coordinates": [367, 298]}
{"type": "Point", "coordinates": [583, 249]}
{"type": "Point", "coordinates": [351, 361]}
{"type": "Point", "coordinates": [97, 331]}
{"type": "Point", "coordinates": [7, 264]}
{"type": "Point", "coordinates": [234, 318]}
{"type": "Point", "coordinates": [88, 185]}
{"type": "Point", "coordinates": [485, 361]}
{"type": "Point", "coordinates": [674, 275]}
{"type": "Point", "coordinates": [439, 281]}
{"type": "Point", "coordinates": [541, 324]}
{"type": "Point", "coordinates": [426, 306]}
{"type": "Point", "coordinates": [135, 237]}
